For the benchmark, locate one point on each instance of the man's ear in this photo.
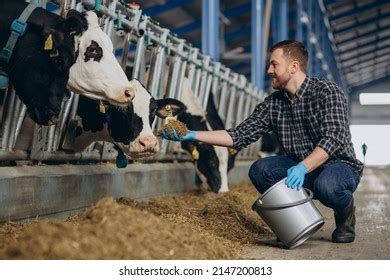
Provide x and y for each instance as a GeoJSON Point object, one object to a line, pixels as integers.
{"type": "Point", "coordinates": [294, 67]}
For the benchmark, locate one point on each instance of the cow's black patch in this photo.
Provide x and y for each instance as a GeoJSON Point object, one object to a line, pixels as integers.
{"type": "Point", "coordinates": [208, 162]}
{"type": "Point", "coordinates": [94, 51]}
{"type": "Point", "coordinates": [40, 79]}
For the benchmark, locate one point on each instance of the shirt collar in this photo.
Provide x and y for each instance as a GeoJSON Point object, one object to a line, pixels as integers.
{"type": "Point", "coordinates": [301, 89]}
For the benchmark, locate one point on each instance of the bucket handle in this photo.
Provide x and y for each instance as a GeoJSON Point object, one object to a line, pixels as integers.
{"type": "Point", "coordinates": [258, 203]}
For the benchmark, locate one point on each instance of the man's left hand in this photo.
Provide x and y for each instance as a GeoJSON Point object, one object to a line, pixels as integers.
{"type": "Point", "coordinates": [296, 176]}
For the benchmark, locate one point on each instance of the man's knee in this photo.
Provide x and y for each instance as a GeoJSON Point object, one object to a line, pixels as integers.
{"type": "Point", "coordinates": [332, 191]}
{"type": "Point", "coordinates": [266, 172]}
{"type": "Point", "coordinates": [256, 172]}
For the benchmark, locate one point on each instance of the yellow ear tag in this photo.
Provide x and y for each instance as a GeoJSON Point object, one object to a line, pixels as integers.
{"type": "Point", "coordinates": [232, 151]}
{"type": "Point", "coordinates": [195, 154]}
{"type": "Point", "coordinates": [170, 116]}
{"type": "Point", "coordinates": [102, 108]}
{"type": "Point", "coordinates": [48, 43]}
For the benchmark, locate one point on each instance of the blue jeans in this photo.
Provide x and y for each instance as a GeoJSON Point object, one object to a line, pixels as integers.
{"type": "Point", "coordinates": [332, 184]}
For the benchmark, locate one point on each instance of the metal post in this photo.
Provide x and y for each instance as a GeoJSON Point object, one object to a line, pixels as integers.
{"type": "Point", "coordinates": [139, 58]}
{"type": "Point", "coordinates": [257, 44]}
{"type": "Point", "coordinates": [210, 28]}
{"type": "Point", "coordinates": [309, 40]}
{"type": "Point", "coordinates": [298, 21]}
{"type": "Point", "coordinates": [11, 96]}
{"type": "Point", "coordinates": [283, 20]}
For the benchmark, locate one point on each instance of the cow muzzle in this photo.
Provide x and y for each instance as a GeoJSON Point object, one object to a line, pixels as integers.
{"type": "Point", "coordinates": [122, 95]}
{"type": "Point", "coordinates": [147, 144]}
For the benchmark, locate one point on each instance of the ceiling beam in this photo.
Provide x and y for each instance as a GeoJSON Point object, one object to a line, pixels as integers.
{"type": "Point", "coordinates": [358, 10]}
{"type": "Point", "coordinates": [362, 24]}
{"type": "Point", "coordinates": [349, 59]}
{"type": "Point", "coordinates": [375, 32]}
{"type": "Point", "coordinates": [365, 45]}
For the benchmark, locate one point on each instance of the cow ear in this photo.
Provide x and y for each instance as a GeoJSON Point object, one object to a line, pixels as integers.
{"type": "Point", "coordinates": [75, 23]}
{"type": "Point", "coordinates": [176, 107]}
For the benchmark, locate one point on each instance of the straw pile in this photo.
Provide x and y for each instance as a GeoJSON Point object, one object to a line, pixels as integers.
{"type": "Point", "coordinates": [181, 128]}
{"type": "Point", "coordinates": [196, 225]}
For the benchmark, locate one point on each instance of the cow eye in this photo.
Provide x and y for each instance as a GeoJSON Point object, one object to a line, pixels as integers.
{"type": "Point", "coordinates": [94, 51]}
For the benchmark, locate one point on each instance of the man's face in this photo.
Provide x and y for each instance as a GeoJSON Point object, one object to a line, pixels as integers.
{"type": "Point", "coordinates": [279, 69]}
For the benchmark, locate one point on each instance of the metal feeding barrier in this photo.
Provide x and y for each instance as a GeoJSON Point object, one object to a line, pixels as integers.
{"type": "Point", "coordinates": [159, 59]}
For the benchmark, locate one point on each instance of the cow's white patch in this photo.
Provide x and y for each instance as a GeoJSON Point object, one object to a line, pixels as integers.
{"type": "Point", "coordinates": [104, 79]}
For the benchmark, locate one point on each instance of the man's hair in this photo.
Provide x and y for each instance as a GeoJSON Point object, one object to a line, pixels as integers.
{"type": "Point", "coordinates": [293, 50]}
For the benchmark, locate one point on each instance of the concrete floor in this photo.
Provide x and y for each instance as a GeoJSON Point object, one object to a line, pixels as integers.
{"type": "Point", "coordinates": [372, 200]}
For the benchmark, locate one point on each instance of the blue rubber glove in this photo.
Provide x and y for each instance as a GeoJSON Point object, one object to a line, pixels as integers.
{"type": "Point", "coordinates": [296, 176]}
{"type": "Point", "coordinates": [190, 136]}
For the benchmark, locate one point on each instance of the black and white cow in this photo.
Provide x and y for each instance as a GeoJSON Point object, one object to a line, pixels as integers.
{"type": "Point", "coordinates": [55, 55]}
{"type": "Point", "coordinates": [128, 128]}
{"type": "Point", "coordinates": [213, 162]}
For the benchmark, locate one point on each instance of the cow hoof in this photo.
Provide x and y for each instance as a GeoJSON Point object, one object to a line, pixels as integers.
{"type": "Point", "coordinates": [121, 161]}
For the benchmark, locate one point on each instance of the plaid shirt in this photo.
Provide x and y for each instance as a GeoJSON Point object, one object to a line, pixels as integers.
{"type": "Point", "coordinates": [318, 117]}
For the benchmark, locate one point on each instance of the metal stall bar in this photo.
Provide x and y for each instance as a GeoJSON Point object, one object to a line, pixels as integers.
{"type": "Point", "coordinates": [65, 110]}
{"type": "Point", "coordinates": [240, 104]}
{"type": "Point", "coordinates": [139, 59]}
{"type": "Point", "coordinates": [20, 120]}
{"type": "Point", "coordinates": [193, 54]}
{"type": "Point", "coordinates": [176, 78]}
{"type": "Point", "coordinates": [222, 107]}
{"type": "Point", "coordinates": [249, 99]}
{"type": "Point", "coordinates": [215, 84]}
{"type": "Point", "coordinates": [232, 102]}
{"type": "Point", "coordinates": [7, 117]}
{"type": "Point", "coordinates": [156, 73]}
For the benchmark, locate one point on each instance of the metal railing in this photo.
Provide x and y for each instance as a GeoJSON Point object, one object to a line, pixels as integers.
{"type": "Point", "coordinates": [170, 58]}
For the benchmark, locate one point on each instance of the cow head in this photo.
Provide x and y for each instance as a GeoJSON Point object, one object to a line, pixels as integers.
{"type": "Point", "coordinates": [57, 53]}
{"type": "Point", "coordinates": [132, 132]}
{"type": "Point", "coordinates": [96, 72]}
{"type": "Point", "coordinates": [128, 128]}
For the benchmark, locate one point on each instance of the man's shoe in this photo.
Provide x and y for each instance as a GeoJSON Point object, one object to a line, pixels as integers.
{"type": "Point", "coordinates": [345, 224]}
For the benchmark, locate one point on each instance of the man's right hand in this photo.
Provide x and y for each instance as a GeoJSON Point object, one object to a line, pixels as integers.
{"type": "Point", "coordinates": [190, 136]}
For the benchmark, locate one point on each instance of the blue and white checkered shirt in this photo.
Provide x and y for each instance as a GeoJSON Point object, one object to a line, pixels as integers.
{"type": "Point", "coordinates": [318, 117]}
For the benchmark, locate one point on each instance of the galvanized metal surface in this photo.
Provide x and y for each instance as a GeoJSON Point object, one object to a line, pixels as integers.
{"type": "Point", "coordinates": [60, 190]}
{"type": "Point", "coordinates": [372, 200]}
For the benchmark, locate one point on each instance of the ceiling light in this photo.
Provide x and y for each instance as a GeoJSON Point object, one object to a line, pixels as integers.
{"type": "Point", "coordinates": [374, 98]}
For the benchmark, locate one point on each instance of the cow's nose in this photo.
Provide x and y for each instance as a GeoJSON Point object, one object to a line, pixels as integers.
{"type": "Point", "coordinates": [148, 143]}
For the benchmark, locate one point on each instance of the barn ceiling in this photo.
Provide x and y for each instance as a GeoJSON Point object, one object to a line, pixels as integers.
{"type": "Point", "coordinates": [360, 28]}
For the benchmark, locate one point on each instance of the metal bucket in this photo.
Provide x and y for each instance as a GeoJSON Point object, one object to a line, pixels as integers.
{"type": "Point", "coordinates": [290, 214]}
